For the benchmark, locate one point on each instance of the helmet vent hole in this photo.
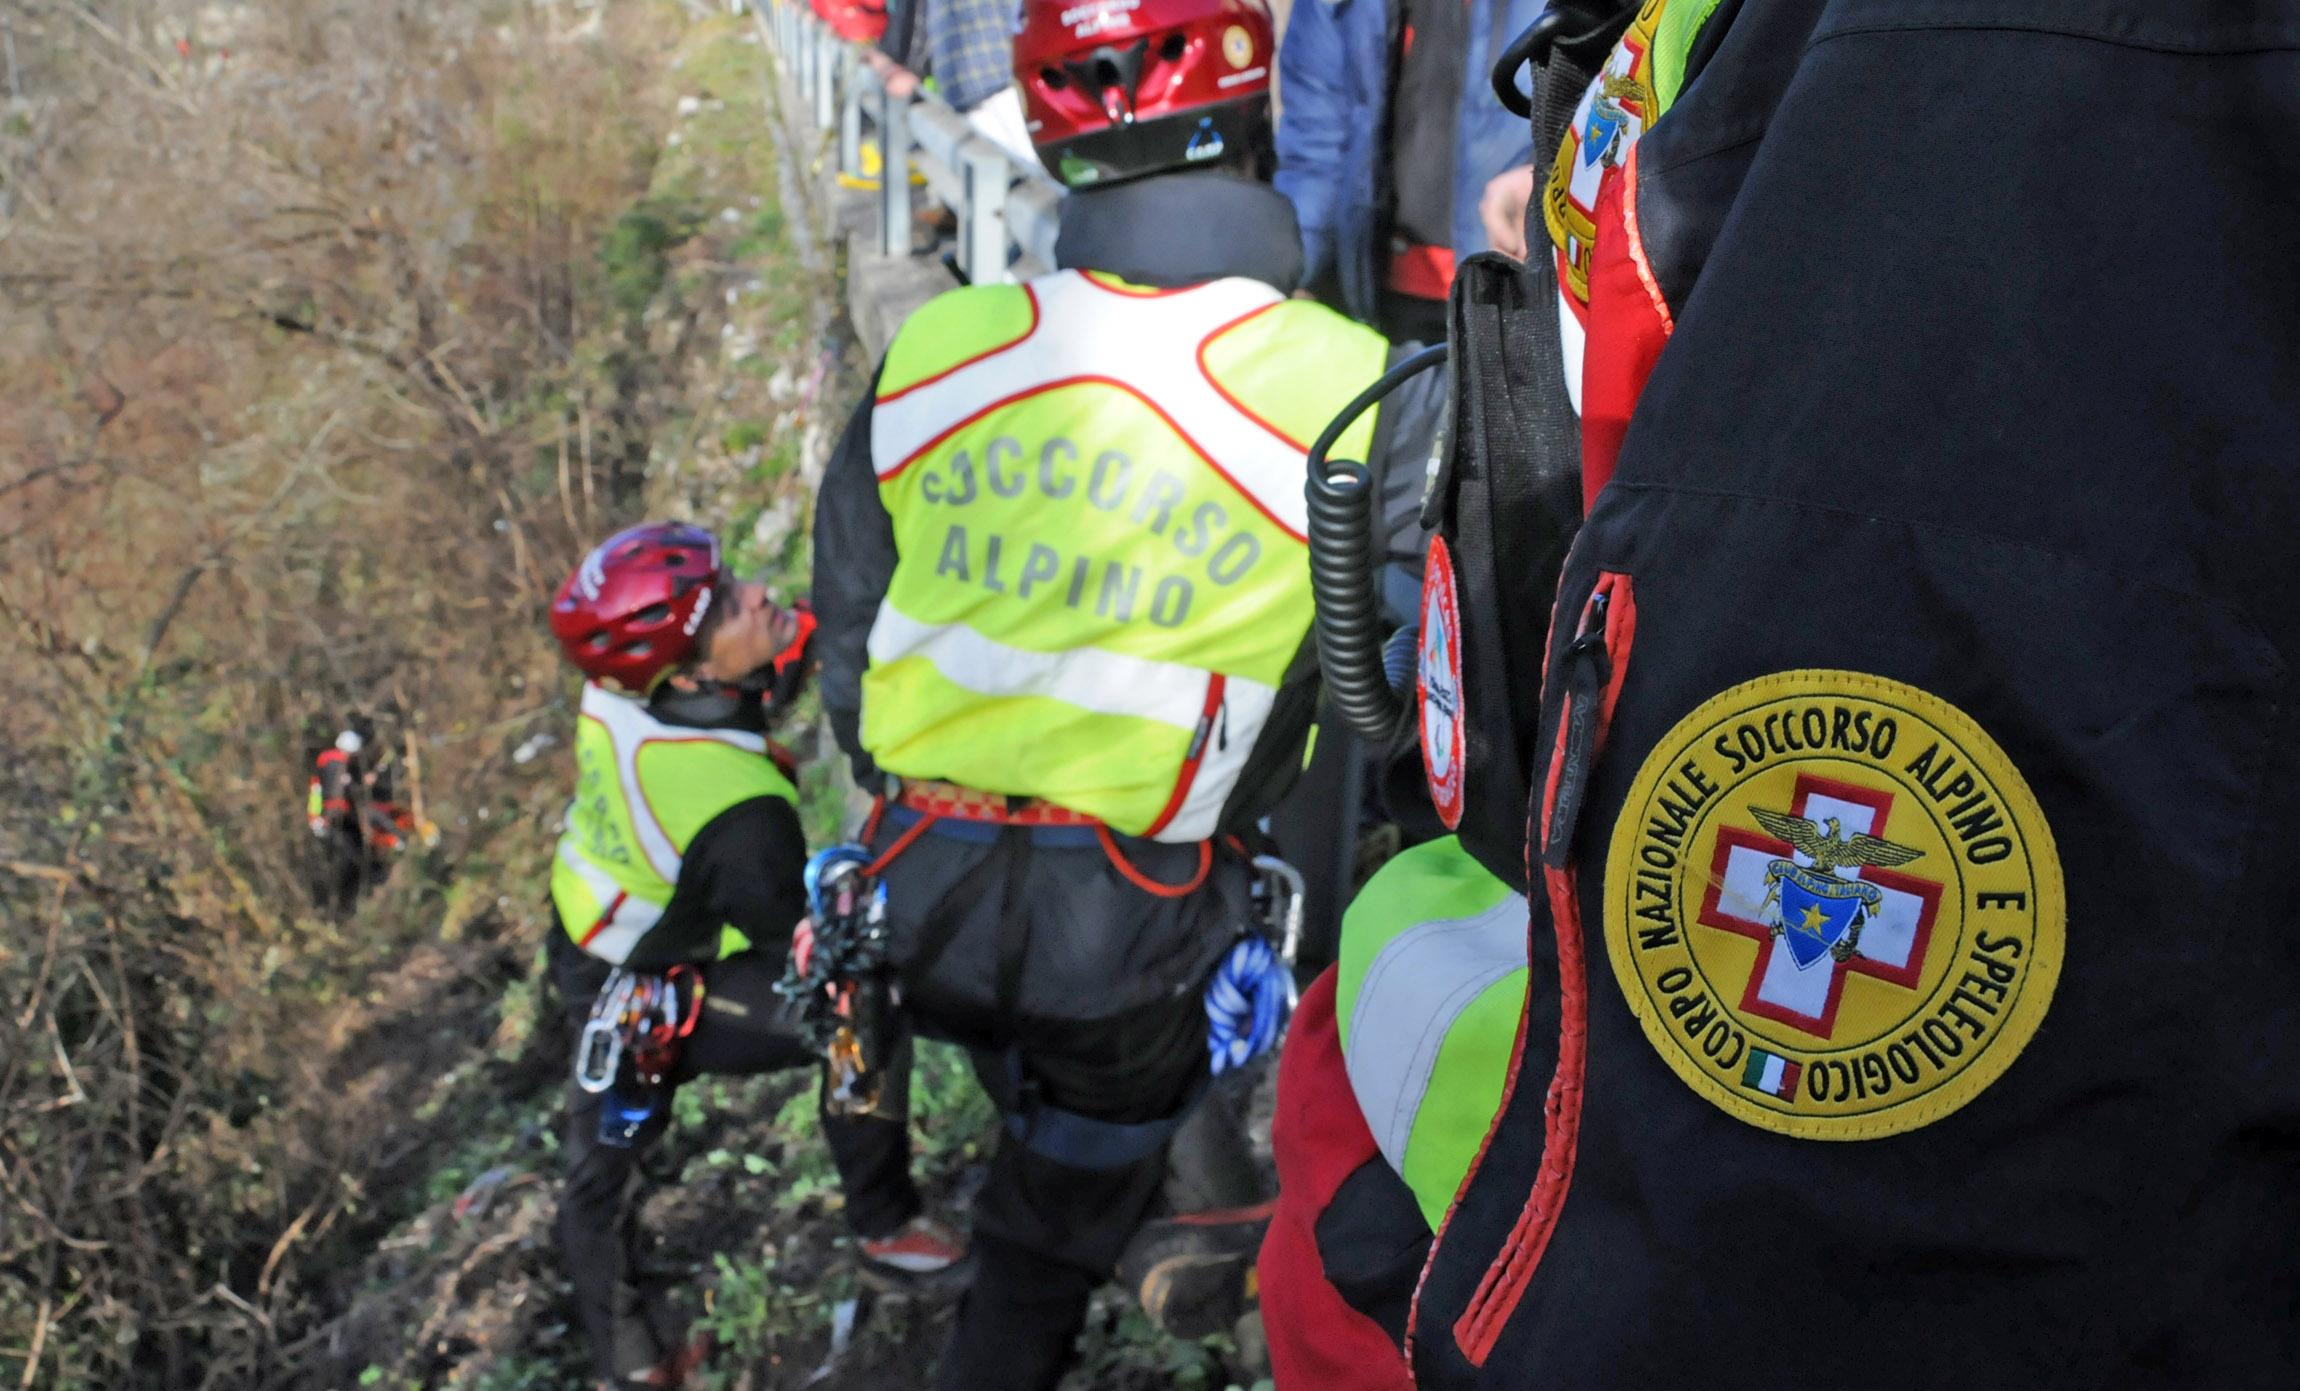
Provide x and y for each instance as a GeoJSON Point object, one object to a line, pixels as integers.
{"type": "Point", "coordinates": [1171, 49]}
{"type": "Point", "coordinates": [1106, 73]}
{"type": "Point", "coordinates": [1055, 78]}
{"type": "Point", "coordinates": [675, 559]}
{"type": "Point", "coordinates": [653, 613]}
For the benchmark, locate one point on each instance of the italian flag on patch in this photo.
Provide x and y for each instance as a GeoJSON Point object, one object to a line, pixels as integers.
{"type": "Point", "coordinates": [1771, 1074]}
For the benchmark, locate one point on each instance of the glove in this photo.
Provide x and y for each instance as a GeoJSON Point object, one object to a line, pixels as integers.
{"type": "Point", "coordinates": [1248, 1002]}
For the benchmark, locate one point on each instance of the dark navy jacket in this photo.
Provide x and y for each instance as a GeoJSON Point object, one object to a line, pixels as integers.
{"type": "Point", "coordinates": [1334, 77]}
{"type": "Point", "coordinates": [1984, 382]}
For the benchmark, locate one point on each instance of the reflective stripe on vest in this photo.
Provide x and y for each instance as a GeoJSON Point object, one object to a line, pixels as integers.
{"type": "Point", "coordinates": [644, 789]}
{"type": "Point", "coordinates": [1430, 985]}
{"type": "Point", "coordinates": [1097, 501]}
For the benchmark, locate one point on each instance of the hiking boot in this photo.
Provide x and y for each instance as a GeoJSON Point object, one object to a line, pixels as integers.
{"type": "Point", "coordinates": [1194, 1274]}
{"type": "Point", "coordinates": [920, 1247]}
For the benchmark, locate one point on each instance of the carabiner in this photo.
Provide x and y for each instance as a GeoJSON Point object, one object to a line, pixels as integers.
{"type": "Point", "coordinates": [1283, 883]}
{"type": "Point", "coordinates": [599, 1048]}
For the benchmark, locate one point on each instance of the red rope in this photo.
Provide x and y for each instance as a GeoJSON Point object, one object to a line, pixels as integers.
{"type": "Point", "coordinates": [901, 844]}
{"type": "Point", "coordinates": [1143, 881]}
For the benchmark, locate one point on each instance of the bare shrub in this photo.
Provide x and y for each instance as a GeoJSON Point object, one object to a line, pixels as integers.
{"type": "Point", "coordinates": [319, 366]}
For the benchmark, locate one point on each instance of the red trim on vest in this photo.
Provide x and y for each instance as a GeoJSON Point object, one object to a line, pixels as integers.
{"type": "Point", "coordinates": [1093, 380]}
{"type": "Point", "coordinates": [960, 366]}
{"type": "Point", "coordinates": [1319, 1138]}
{"type": "Point", "coordinates": [604, 918]}
{"type": "Point", "coordinates": [1235, 404]}
{"type": "Point", "coordinates": [1216, 683]}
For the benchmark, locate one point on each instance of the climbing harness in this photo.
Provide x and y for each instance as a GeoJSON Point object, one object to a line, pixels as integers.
{"type": "Point", "coordinates": [837, 979]}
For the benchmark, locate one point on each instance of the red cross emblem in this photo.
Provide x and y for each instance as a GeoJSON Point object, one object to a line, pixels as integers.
{"type": "Point", "coordinates": [1892, 945]}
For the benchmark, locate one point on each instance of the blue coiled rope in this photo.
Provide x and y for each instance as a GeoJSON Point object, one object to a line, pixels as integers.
{"type": "Point", "coordinates": [1248, 1003]}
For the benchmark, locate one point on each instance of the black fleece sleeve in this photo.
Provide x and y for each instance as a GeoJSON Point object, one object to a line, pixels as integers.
{"type": "Point", "coordinates": [854, 563]}
{"type": "Point", "coordinates": [745, 869]}
{"type": "Point", "coordinates": [1405, 440]}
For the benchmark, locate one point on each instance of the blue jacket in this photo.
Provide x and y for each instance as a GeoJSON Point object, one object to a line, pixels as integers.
{"type": "Point", "coordinates": [1333, 78]}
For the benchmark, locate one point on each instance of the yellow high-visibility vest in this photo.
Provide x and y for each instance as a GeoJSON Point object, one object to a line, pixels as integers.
{"type": "Point", "coordinates": [643, 790]}
{"type": "Point", "coordinates": [1097, 501]}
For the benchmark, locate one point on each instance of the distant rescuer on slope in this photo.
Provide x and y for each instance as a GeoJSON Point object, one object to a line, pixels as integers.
{"type": "Point", "coordinates": [683, 858]}
{"type": "Point", "coordinates": [1063, 586]}
{"type": "Point", "coordinates": [352, 813]}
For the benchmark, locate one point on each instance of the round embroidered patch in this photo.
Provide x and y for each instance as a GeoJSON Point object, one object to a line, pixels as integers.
{"type": "Point", "coordinates": [1237, 46]}
{"type": "Point", "coordinates": [1834, 905]}
{"type": "Point", "coordinates": [1444, 754]}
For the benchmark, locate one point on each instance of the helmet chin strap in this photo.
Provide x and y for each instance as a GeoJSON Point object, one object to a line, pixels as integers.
{"type": "Point", "coordinates": [709, 704]}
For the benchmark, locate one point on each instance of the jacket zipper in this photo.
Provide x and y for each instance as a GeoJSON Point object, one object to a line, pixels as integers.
{"type": "Point", "coordinates": [1588, 669]}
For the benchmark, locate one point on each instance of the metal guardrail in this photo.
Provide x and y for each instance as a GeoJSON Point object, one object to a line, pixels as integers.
{"type": "Point", "coordinates": [1008, 212]}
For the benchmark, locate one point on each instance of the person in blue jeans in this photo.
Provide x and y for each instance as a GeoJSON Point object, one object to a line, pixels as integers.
{"type": "Point", "coordinates": [1388, 133]}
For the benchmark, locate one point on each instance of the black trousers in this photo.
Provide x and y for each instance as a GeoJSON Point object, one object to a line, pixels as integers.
{"type": "Point", "coordinates": [624, 1310]}
{"type": "Point", "coordinates": [1032, 951]}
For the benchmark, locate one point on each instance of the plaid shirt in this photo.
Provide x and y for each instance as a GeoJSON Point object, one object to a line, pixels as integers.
{"type": "Point", "coordinates": [970, 49]}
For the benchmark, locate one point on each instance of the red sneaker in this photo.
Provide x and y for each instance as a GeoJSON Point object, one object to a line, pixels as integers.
{"type": "Point", "coordinates": [921, 1246]}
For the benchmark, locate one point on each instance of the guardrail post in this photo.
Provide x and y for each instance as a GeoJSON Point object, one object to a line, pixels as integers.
{"type": "Point", "coordinates": [827, 60]}
{"type": "Point", "coordinates": [893, 174]}
{"type": "Point", "coordinates": [818, 47]}
{"type": "Point", "coordinates": [982, 233]}
{"type": "Point", "coordinates": [851, 90]}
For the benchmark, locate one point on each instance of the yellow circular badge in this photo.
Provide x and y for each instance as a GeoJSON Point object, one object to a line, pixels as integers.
{"type": "Point", "coordinates": [1834, 905]}
{"type": "Point", "coordinates": [1237, 46]}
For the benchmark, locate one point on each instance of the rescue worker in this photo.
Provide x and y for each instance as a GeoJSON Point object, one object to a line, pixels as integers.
{"type": "Point", "coordinates": [1061, 576]}
{"type": "Point", "coordinates": [1913, 717]}
{"type": "Point", "coordinates": [351, 812]}
{"type": "Point", "coordinates": [683, 858]}
{"type": "Point", "coordinates": [1388, 132]}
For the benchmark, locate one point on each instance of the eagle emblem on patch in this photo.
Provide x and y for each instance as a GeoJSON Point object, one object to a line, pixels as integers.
{"type": "Point", "coordinates": [1834, 905]}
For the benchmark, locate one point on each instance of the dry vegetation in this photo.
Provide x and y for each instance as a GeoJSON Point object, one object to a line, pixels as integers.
{"type": "Point", "coordinates": [327, 330]}
{"type": "Point", "coordinates": [330, 331]}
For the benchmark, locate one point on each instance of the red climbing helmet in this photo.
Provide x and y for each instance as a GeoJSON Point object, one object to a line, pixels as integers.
{"type": "Point", "coordinates": [1116, 88]}
{"type": "Point", "coordinates": [631, 611]}
{"type": "Point", "coordinates": [856, 21]}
